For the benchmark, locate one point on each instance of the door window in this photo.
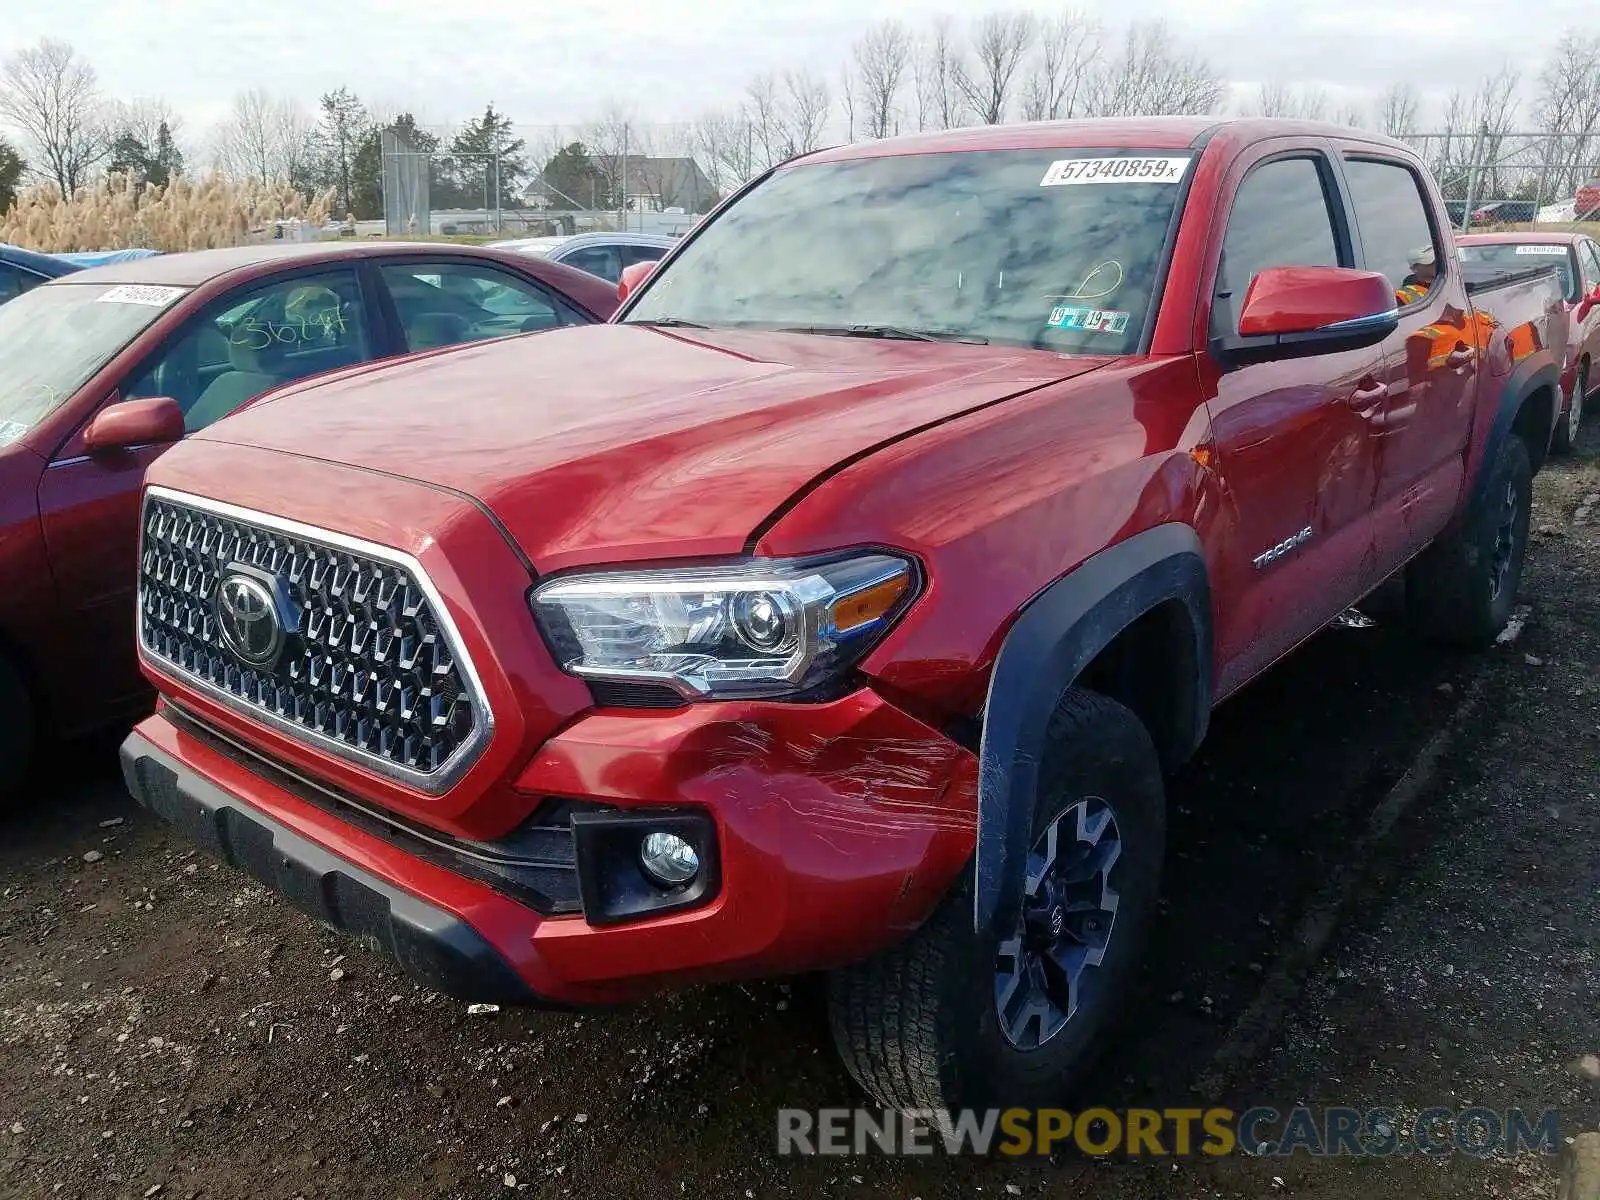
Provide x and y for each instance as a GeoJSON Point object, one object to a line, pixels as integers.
{"type": "Point", "coordinates": [604, 261]}
{"type": "Point", "coordinates": [1590, 260]}
{"type": "Point", "coordinates": [443, 304]}
{"type": "Point", "coordinates": [14, 281]}
{"type": "Point", "coordinates": [1396, 234]}
{"type": "Point", "coordinates": [252, 341]}
{"type": "Point", "coordinates": [1280, 218]}
{"type": "Point", "coordinates": [643, 254]}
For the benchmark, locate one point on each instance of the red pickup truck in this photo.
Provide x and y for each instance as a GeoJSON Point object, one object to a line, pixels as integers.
{"type": "Point", "coordinates": [841, 604]}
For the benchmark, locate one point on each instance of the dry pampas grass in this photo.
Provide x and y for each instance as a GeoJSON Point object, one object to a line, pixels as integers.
{"type": "Point", "coordinates": [188, 214]}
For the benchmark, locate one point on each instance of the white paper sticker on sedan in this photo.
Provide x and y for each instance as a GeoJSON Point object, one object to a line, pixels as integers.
{"type": "Point", "coordinates": [141, 293]}
{"type": "Point", "coordinates": [1559, 251]}
{"type": "Point", "coordinates": [1121, 169]}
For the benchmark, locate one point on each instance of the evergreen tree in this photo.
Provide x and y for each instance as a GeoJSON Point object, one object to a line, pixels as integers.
{"type": "Point", "coordinates": [473, 169]}
{"type": "Point", "coordinates": [341, 130]}
{"type": "Point", "coordinates": [572, 180]}
{"type": "Point", "coordinates": [11, 169]}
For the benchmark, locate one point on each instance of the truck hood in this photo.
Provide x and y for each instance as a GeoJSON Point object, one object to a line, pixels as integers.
{"type": "Point", "coordinates": [615, 443]}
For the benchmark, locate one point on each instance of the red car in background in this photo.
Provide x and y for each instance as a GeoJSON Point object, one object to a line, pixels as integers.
{"type": "Point", "coordinates": [1577, 257]}
{"type": "Point", "coordinates": [103, 369]}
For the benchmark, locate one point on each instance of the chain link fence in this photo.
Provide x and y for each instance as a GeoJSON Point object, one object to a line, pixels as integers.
{"type": "Point", "coordinates": [1493, 178]}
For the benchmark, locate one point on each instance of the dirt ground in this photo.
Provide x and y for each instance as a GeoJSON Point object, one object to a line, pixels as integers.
{"type": "Point", "coordinates": [167, 1028]}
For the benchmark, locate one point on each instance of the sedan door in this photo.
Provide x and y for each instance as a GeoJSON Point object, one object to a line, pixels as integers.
{"type": "Point", "coordinates": [246, 342]}
{"type": "Point", "coordinates": [1588, 336]}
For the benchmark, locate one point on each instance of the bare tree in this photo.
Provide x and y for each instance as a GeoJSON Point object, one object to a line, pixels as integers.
{"type": "Point", "coordinates": [804, 112]}
{"type": "Point", "coordinates": [1000, 44]}
{"type": "Point", "coordinates": [613, 139]}
{"type": "Point", "coordinates": [881, 57]}
{"type": "Point", "coordinates": [1069, 44]}
{"type": "Point", "coordinates": [763, 112]}
{"type": "Point", "coordinates": [723, 142]}
{"type": "Point", "coordinates": [1397, 110]}
{"type": "Point", "coordinates": [1352, 115]}
{"type": "Point", "coordinates": [1568, 109]}
{"type": "Point", "coordinates": [265, 137]}
{"type": "Point", "coordinates": [52, 96]}
{"type": "Point", "coordinates": [1495, 103]}
{"type": "Point", "coordinates": [1150, 76]}
{"type": "Point", "coordinates": [1277, 100]}
{"type": "Point", "coordinates": [936, 70]}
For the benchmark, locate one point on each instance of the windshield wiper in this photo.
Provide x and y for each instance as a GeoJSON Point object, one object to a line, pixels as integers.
{"type": "Point", "coordinates": [889, 332]}
{"type": "Point", "coordinates": [671, 323]}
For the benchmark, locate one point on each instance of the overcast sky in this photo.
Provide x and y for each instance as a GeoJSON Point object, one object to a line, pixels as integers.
{"type": "Point", "coordinates": [551, 63]}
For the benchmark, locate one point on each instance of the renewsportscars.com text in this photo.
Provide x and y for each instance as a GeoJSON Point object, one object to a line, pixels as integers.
{"type": "Point", "coordinates": [1177, 1132]}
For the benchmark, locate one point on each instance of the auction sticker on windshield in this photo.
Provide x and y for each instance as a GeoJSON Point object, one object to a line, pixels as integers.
{"type": "Point", "coordinates": [1121, 169]}
{"type": "Point", "coordinates": [1561, 251]}
{"type": "Point", "coordinates": [140, 293]}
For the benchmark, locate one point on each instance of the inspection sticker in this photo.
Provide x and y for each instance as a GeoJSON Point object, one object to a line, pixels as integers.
{"type": "Point", "coordinates": [1094, 320]}
{"type": "Point", "coordinates": [141, 293]}
{"type": "Point", "coordinates": [1557, 250]}
{"type": "Point", "coordinates": [1122, 169]}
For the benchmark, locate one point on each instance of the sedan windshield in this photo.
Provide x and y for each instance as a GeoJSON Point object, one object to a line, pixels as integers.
{"type": "Point", "coordinates": [1523, 256]}
{"type": "Point", "coordinates": [1059, 250]}
{"type": "Point", "coordinates": [54, 338]}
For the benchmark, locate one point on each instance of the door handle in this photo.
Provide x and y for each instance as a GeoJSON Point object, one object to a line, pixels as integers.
{"type": "Point", "coordinates": [1367, 396]}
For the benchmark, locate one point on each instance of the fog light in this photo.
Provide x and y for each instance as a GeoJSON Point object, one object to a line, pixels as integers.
{"type": "Point", "coordinates": [668, 859]}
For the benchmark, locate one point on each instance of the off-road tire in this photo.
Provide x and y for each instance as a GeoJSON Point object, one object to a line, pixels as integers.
{"type": "Point", "coordinates": [917, 1025]}
{"type": "Point", "coordinates": [1451, 595]}
{"type": "Point", "coordinates": [17, 730]}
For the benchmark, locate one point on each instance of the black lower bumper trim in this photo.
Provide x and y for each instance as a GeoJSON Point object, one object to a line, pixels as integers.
{"type": "Point", "coordinates": [433, 946]}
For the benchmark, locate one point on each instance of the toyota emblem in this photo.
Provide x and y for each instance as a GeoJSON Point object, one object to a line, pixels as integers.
{"type": "Point", "coordinates": [247, 615]}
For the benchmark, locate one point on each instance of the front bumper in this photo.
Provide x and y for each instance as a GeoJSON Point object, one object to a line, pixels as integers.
{"type": "Point", "coordinates": [435, 946]}
{"type": "Point", "coordinates": [838, 827]}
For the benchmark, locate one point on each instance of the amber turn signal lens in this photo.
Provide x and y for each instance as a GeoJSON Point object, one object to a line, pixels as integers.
{"type": "Point", "coordinates": [869, 604]}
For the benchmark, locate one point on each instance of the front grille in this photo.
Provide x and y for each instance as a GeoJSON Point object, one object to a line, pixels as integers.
{"type": "Point", "coordinates": [367, 667]}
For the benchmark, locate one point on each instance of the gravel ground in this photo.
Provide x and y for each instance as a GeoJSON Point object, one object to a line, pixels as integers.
{"type": "Point", "coordinates": [167, 1028]}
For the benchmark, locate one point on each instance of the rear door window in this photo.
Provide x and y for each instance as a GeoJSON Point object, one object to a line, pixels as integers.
{"type": "Point", "coordinates": [447, 303]}
{"type": "Point", "coordinates": [1396, 235]}
{"type": "Point", "coordinates": [604, 261]}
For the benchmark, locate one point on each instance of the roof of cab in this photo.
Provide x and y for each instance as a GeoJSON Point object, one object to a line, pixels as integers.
{"type": "Point", "coordinates": [1144, 133]}
{"type": "Point", "coordinates": [194, 267]}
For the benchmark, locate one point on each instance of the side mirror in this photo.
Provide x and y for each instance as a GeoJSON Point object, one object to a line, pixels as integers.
{"type": "Point", "coordinates": [1293, 312]}
{"type": "Point", "coordinates": [150, 421]}
{"type": "Point", "coordinates": [1587, 305]}
{"type": "Point", "coordinates": [632, 276]}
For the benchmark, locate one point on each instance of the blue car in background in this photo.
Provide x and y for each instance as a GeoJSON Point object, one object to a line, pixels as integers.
{"type": "Point", "coordinates": [22, 269]}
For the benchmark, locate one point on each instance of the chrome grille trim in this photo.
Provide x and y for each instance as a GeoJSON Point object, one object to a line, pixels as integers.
{"type": "Point", "coordinates": [433, 781]}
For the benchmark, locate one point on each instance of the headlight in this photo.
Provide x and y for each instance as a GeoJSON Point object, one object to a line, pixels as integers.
{"type": "Point", "coordinates": [760, 627]}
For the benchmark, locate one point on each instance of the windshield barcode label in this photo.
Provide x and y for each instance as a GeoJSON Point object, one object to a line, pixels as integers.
{"type": "Point", "coordinates": [137, 293]}
{"type": "Point", "coordinates": [1123, 169]}
{"type": "Point", "coordinates": [1557, 250]}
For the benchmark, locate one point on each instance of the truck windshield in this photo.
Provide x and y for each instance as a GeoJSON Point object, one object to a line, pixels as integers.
{"type": "Point", "coordinates": [53, 338]}
{"type": "Point", "coordinates": [1058, 250]}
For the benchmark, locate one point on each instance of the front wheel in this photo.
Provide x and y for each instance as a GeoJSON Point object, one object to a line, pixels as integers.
{"type": "Point", "coordinates": [948, 1019]}
{"type": "Point", "coordinates": [1461, 589]}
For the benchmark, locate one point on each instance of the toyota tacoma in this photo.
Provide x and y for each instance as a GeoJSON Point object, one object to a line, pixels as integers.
{"type": "Point", "coordinates": [843, 603]}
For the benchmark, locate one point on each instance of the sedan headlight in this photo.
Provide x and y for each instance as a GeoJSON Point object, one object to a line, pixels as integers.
{"type": "Point", "coordinates": [759, 627]}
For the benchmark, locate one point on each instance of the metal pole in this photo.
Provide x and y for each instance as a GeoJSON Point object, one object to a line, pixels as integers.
{"type": "Point", "coordinates": [1472, 180]}
{"type": "Point", "coordinates": [622, 187]}
{"type": "Point", "coordinates": [497, 226]}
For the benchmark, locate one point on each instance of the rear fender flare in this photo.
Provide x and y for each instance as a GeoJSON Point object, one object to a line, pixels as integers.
{"type": "Point", "coordinates": [1525, 379]}
{"type": "Point", "coordinates": [1057, 635]}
